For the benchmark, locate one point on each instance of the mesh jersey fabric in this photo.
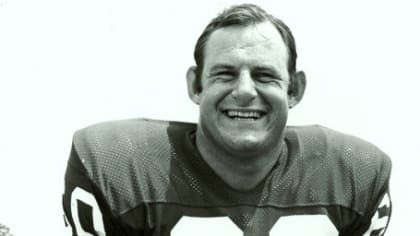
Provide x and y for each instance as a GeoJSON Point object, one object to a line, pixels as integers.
{"type": "Point", "coordinates": [147, 174]}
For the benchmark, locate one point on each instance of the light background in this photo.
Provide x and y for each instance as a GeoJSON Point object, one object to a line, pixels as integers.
{"type": "Point", "coordinates": [67, 64]}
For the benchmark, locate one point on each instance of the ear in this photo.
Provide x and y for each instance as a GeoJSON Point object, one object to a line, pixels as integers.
{"type": "Point", "coordinates": [296, 88]}
{"type": "Point", "coordinates": [192, 83]}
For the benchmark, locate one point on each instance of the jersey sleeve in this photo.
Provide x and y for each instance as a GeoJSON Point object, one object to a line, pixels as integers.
{"type": "Point", "coordinates": [378, 215]}
{"type": "Point", "coordinates": [380, 219]}
{"type": "Point", "coordinates": [380, 207]}
{"type": "Point", "coordinates": [85, 208]}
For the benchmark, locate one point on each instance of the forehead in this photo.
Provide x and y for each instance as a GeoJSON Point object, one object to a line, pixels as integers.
{"type": "Point", "coordinates": [257, 43]}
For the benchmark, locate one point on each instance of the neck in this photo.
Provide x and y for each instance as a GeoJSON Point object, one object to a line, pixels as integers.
{"type": "Point", "coordinates": [240, 170]}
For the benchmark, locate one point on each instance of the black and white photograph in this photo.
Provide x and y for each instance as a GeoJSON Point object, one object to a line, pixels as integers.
{"type": "Point", "coordinates": [226, 117]}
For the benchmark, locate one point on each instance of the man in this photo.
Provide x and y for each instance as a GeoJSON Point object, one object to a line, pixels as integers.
{"type": "Point", "coordinates": [240, 170]}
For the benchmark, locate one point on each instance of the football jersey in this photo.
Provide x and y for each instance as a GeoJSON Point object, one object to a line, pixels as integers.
{"type": "Point", "coordinates": [146, 177]}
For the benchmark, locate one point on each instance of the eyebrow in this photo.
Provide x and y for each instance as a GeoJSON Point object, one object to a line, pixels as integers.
{"type": "Point", "coordinates": [267, 68]}
{"type": "Point", "coordinates": [230, 67]}
{"type": "Point", "coordinates": [221, 67]}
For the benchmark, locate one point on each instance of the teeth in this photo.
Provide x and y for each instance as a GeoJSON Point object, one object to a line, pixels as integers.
{"type": "Point", "coordinates": [243, 114]}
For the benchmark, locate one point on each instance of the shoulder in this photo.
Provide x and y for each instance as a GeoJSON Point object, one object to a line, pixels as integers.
{"type": "Point", "coordinates": [110, 131]}
{"type": "Point", "coordinates": [119, 143]}
{"type": "Point", "coordinates": [134, 146]}
{"type": "Point", "coordinates": [125, 135]}
{"type": "Point", "coordinates": [354, 170]}
{"type": "Point", "coordinates": [346, 149]}
{"type": "Point", "coordinates": [128, 160]}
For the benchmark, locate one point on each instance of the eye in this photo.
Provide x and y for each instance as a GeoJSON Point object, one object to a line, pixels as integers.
{"type": "Point", "coordinates": [265, 77]}
{"type": "Point", "coordinates": [224, 75]}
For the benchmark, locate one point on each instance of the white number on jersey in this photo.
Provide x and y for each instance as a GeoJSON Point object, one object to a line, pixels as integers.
{"type": "Point", "coordinates": [380, 223]}
{"type": "Point", "coordinates": [304, 225]}
{"type": "Point", "coordinates": [208, 226]}
{"type": "Point", "coordinates": [79, 194]}
{"type": "Point", "coordinates": [297, 225]}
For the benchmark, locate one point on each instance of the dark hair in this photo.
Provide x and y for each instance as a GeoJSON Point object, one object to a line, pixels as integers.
{"type": "Point", "coordinates": [243, 15]}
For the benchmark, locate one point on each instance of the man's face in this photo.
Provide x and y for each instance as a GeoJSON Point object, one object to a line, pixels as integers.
{"type": "Point", "coordinates": [244, 100]}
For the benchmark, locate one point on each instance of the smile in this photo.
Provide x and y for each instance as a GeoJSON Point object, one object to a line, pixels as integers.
{"type": "Point", "coordinates": [244, 114]}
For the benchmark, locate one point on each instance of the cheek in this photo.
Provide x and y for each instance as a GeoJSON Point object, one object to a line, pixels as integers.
{"type": "Point", "coordinates": [213, 94]}
{"type": "Point", "coordinates": [276, 97]}
{"type": "Point", "coordinates": [208, 104]}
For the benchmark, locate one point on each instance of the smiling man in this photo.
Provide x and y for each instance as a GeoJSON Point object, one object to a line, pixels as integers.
{"type": "Point", "coordinates": [244, 98]}
{"type": "Point", "coordinates": [240, 170]}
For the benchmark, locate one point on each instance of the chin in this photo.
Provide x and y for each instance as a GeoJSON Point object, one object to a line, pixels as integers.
{"type": "Point", "coordinates": [247, 144]}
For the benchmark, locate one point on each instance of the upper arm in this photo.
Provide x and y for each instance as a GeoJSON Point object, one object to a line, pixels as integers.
{"type": "Point", "coordinates": [84, 208]}
{"type": "Point", "coordinates": [381, 207]}
{"type": "Point", "coordinates": [381, 217]}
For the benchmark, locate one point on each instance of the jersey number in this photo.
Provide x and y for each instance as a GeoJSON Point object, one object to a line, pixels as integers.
{"type": "Point", "coordinates": [79, 194]}
{"type": "Point", "coordinates": [379, 222]}
{"type": "Point", "coordinates": [297, 225]}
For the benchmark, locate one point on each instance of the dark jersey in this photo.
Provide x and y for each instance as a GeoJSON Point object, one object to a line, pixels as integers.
{"type": "Point", "coordinates": [146, 177]}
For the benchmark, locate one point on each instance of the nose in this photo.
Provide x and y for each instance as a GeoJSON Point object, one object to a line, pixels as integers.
{"type": "Point", "coordinates": [244, 91]}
